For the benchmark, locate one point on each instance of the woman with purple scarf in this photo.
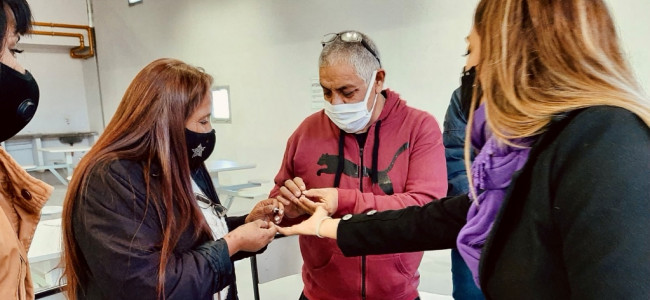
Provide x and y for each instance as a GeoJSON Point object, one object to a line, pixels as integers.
{"type": "Point", "coordinates": [559, 206]}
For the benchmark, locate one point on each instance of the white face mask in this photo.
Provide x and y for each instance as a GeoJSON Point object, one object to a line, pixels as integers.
{"type": "Point", "coordinates": [352, 117]}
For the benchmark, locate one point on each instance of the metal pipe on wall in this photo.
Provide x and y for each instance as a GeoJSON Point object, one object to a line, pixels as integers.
{"type": "Point", "coordinates": [82, 51]}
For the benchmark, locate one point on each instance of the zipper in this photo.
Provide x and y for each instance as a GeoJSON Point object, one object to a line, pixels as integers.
{"type": "Point", "coordinates": [363, 277]}
{"type": "Point", "coordinates": [361, 169]}
{"type": "Point", "coordinates": [363, 258]}
{"type": "Point", "coordinates": [21, 293]}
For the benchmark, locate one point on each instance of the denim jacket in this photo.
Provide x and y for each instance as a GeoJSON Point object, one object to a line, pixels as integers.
{"type": "Point", "coordinates": [453, 137]}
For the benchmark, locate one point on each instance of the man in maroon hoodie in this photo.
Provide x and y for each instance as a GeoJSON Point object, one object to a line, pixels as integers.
{"type": "Point", "coordinates": [370, 151]}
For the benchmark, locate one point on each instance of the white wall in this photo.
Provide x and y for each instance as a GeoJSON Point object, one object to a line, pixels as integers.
{"type": "Point", "coordinates": [68, 87]}
{"type": "Point", "coordinates": [266, 51]}
{"type": "Point", "coordinates": [633, 23]}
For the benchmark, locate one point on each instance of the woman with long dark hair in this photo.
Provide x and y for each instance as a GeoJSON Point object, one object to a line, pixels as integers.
{"type": "Point", "coordinates": [141, 217]}
{"type": "Point", "coordinates": [559, 207]}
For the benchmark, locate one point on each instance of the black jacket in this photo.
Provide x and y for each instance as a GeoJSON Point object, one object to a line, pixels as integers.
{"type": "Point", "coordinates": [120, 238]}
{"type": "Point", "coordinates": [575, 223]}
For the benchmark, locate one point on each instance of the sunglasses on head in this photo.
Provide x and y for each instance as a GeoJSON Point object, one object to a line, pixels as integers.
{"type": "Point", "coordinates": [349, 37]}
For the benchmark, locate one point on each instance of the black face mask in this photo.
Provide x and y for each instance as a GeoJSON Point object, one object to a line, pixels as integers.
{"type": "Point", "coordinates": [18, 101]}
{"type": "Point", "coordinates": [467, 82]}
{"type": "Point", "coordinates": [199, 146]}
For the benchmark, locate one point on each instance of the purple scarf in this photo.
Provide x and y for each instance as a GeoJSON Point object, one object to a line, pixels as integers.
{"type": "Point", "coordinates": [492, 171]}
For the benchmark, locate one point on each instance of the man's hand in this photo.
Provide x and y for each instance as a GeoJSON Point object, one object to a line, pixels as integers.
{"type": "Point", "coordinates": [289, 195]}
{"type": "Point", "coordinates": [328, 198]}
{"type": "Point", "coordinates": [267, 210]}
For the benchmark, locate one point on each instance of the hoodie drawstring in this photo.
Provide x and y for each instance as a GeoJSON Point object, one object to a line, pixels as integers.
{"type": "Point", "coordinates": [339, 167]}
{"type": "Point", "coordinates": [374, 170]}
{"type": "Point", "coordinates": [374, 175]}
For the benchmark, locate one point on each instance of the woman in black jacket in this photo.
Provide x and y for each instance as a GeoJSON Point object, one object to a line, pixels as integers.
{"type": "Point", "coordinates": [572, 220]}
{"type": "Point", "coordinates": [141, 218]}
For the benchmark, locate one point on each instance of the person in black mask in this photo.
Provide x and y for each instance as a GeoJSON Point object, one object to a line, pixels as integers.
{"type": "Point", "coordinates": [21, 196]}
{"type": "Point", "coordinates": [19, 89]}
{"type": "Point", "coordinates": [142, 217]}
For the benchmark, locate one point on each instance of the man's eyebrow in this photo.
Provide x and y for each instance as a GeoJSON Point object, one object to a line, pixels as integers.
{"type": "Point", "coordinates": [346, 87]}
{"type": "Point", "coordinates": [341, 88]}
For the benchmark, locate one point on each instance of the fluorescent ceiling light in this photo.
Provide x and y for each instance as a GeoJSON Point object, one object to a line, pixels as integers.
{"type": "Point", "coordinates": [134, 2]}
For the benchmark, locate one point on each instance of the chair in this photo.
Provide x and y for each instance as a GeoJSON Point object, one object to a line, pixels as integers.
{"type": "Point", "coordinates": [276, 261]}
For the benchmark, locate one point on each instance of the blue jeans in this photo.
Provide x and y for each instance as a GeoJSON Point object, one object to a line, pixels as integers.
{"type": "Point", "coordinates": [461, 277]}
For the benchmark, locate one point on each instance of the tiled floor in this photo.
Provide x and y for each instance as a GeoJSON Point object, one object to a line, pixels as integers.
{"type": "Point", "coordinates": [435, 275]}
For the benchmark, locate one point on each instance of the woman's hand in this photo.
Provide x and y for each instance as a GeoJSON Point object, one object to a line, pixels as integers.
{"type": "Point", "coordinates": [267, 210]}
{"type": "Point", "coordinates": [250, 237]}
{"type": "Point", "coordinates": [318, 224]}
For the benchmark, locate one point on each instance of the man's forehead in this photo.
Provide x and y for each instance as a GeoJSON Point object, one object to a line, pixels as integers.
{"type": "Point", "coordinates": [339, 76]}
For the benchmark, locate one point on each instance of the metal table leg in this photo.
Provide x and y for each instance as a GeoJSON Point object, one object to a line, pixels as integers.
{"type": "Point", "coordinates": [256, 290]}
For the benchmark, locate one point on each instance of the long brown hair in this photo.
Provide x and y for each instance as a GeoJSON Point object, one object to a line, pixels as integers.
{"type": "Point", "coordinates": [148, 126]}
{"type": "Point", "coordinates": [540, 58]}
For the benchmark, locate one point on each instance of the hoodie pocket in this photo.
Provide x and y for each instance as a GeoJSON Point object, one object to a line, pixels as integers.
{"type": "Point", "coordinates": [392, 276]}
{"type": "Point", "coordinates": [339, 278]}
{"type": "Point", "coordinates": [317, 252]}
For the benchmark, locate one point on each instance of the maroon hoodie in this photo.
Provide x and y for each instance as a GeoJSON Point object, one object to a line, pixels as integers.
{"type": "Point", "coordinates": [412, 171]}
